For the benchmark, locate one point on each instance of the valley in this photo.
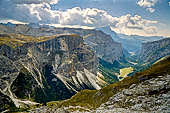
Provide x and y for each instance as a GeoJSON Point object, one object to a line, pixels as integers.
{"type": "Point", "coordinates": [74, 70]}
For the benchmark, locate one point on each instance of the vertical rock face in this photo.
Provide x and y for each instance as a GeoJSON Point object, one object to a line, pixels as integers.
{"type": "Point", "coordinates": [49, 70]}
{"type": "Point", "coordinates": [104, 46]}
{"type": "Point", "coordinates": [153, 51]}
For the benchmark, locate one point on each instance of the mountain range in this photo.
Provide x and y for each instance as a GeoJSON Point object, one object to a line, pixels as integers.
{"type": "Point", "coordinates": [40, 63]}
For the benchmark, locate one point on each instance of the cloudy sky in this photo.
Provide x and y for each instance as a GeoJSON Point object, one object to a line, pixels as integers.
{"type": "Point", "coordinates": [137, 17]}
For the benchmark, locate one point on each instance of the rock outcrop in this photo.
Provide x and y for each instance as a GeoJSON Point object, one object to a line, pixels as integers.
{"type": "Point", "coordinates": [153, 51]}
{"type": "Point", "coordinates": [54, 69]}
{"type": "Point", "coordinates": [149, 96]}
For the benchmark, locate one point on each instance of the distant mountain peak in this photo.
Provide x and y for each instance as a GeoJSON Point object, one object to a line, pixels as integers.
{"type": "Point", "coordinates": [106, 29]}
{"type": "Point", "coordinates": [109, 31]}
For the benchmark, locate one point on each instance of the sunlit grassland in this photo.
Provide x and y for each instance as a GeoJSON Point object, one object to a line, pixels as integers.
{"type": "Point", "coordinates": [14, 40]}
{"type": "Point", "coordinates": [125, 71]}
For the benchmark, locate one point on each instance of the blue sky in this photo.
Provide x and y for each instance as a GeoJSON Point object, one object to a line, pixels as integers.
{"type": "Point", "coordinates": [120, 7]}
{"type": "Point", "coordinates": [139, 17]}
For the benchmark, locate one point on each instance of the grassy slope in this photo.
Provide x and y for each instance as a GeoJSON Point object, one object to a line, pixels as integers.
{"type": "Point", "coordinates": [14, 40]}
{"type": "Point", "coordinates": [94, 98]}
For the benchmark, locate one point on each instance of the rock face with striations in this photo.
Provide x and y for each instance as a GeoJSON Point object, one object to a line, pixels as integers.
{"type": "Point", "coordinates": [153, 51]}
{"type": "Point", "coordinates": [104, 46]}
{"type": "Point", "coordinates": [53, 69]}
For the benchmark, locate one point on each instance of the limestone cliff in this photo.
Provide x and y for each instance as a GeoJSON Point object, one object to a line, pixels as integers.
{"type": "Point", "coordinates": [153, 51]}
{"type": "Point", "coordinates": [50, 69]}
{"type": "Point", "coordinates": [104, 46]}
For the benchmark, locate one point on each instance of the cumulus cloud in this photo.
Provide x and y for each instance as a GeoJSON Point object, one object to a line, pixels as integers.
{"type": "Point", "coordinates": [136, 22]}
{"type": "Point", "coordinates": [148, 4]}
{"type": "Point", "coordinates": [92, 17]}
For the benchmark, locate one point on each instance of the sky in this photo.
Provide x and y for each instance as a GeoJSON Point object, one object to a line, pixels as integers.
{"type": "Point", "coordinates": [131, 17]}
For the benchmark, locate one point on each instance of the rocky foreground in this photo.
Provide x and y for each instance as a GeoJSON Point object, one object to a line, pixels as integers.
{"type": "Point", "coordinates": [149, 96]}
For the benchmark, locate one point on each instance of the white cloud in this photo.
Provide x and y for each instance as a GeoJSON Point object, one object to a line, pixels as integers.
{"type": "Point", "coordinates": [148, 4]}
{"type": "Point", "coordinates": [169, 3]}
{"type": "Point", "coordinates": [88, 17]}
{"type": "Point", "coordinates": [162, 30]}
{"type": "Point", "coordinates": [91, 17]}
{"type": "Point", "coordinates": [135, 22]}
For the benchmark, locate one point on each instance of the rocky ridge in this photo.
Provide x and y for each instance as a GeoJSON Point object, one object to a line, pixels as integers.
{"type": "Point", "coordinates": [104, 46]}
{"type": "Point", "coordinates": [149, 96]}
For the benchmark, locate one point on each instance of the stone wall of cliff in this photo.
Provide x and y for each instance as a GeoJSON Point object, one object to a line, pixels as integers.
{"type": "Point", "coordinates": [153, 51]}
{"type": "Point", "coordinates": [49, 70]}
{"type": "Point", "coordinates": [104, 46]}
